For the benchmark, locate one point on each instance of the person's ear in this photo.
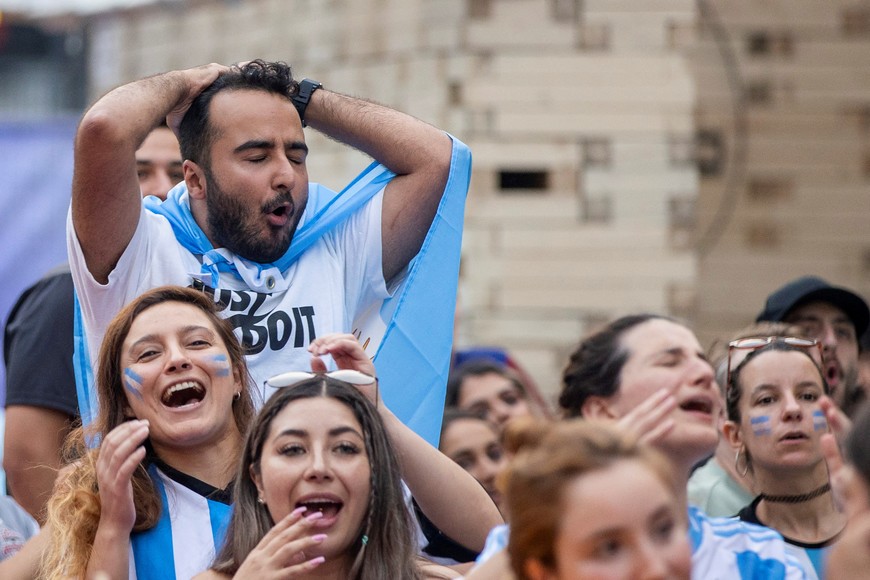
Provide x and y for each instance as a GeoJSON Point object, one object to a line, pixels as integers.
{"type": "Point", "coordinates": [258, 482]}
{"type": "Point", "coordinates": [595, 407]}
{"type": "Point", "coordinates": [194, 177]}
{"type": "Point", "coordinates": [535, 570]}
{"type": "Point", "coordinates": [732, 433]}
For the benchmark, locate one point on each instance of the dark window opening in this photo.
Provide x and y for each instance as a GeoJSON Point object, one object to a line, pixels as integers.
{"type": "Point", "coordinates": [509, 180]}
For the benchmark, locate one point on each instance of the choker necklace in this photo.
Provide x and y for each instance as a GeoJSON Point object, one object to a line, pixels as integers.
{"type": "Point", "coordinates": [797, 498]}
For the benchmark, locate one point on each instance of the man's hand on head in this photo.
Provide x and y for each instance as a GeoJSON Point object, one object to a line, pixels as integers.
{"type": "Point", "coordinates": [195, 80]}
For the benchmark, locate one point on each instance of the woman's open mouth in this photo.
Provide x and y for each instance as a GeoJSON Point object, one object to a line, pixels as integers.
{"type": "Point", "coordinates": [183, 394]}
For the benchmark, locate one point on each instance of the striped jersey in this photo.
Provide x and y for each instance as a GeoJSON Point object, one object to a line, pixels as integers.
{"type": "Point", "coordinates": [726, 548]}
{"type": "Point", "coordinates": [192, 524]}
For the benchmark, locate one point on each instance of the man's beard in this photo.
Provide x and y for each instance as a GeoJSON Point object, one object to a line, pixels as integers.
{"type": "Point", "coordinates": [229, 222]}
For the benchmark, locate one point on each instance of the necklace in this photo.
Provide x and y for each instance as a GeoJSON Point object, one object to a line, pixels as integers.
{"type": "Point", "coordinates": [797, 498]}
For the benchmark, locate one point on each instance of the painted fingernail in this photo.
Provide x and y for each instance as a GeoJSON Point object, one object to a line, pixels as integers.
{"type": "Point", "coordinates": [298, 511]}
{"type": "Point", "coordinates": [316, 561]}
{"type": "Point", "coordinates": [314, 516]}
{"type": "Point", "coordinates": [318, 538]}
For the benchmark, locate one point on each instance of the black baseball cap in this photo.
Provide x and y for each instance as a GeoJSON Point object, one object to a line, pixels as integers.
{"type": "Point", "coordinates": [813, 289]}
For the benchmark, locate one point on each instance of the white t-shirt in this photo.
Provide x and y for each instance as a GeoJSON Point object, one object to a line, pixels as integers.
{"type": "Point", "coordinates": [332, 282]}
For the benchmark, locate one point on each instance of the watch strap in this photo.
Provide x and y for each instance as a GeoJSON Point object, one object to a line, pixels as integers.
{"type": "Point", "coordinates": [303, 97]}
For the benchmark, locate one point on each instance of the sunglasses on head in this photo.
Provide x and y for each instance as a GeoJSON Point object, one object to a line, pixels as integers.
{"type": "Point", "coordinates": [756, 343]}
{"type": "Point", "coordinates": [293, 378]}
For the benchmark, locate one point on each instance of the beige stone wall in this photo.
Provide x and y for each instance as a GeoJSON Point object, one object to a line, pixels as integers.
{"type": "Point", "coordinates": [797, 112]}
{"type": "Point", "coordinates": [593, 101]}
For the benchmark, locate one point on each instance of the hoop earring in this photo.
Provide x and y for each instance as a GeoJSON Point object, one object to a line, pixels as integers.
{"type": "Point", "coordinates": [737, 464]}
{"type": "Point", "coordinates": [237, 396]}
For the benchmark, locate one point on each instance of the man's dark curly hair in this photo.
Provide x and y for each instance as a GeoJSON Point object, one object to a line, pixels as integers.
{"type": "Point", "coordinates": [196, 134]}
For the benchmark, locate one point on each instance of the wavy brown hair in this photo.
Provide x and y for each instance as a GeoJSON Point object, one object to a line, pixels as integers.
{"type": "Point", "coordinates": [390, 550]}
{"type": "Point", "coordinates": [553, 456]}
{"type": "Point", "coordinates": [74, 508]}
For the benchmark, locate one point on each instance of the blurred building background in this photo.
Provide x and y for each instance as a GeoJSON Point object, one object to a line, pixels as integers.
{"type": "Point", "coordinates": [676, 156]}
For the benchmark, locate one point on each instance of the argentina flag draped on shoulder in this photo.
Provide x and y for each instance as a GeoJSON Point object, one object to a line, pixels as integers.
{"type": "Point", "coordinates": [409, 334]}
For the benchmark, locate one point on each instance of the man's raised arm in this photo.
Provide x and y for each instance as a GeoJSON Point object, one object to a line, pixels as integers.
{"type": "Point", "coordinates": [418, 153]}
{"type": "Point", "coordinates": [105, 193]}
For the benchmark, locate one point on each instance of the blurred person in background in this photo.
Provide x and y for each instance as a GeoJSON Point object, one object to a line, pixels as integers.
{"type": "Point", "coordinates": [849, 558]}
{"type": "Point", "coordinates": [775, 423]}
{"type": "Point", "coordinates": [648, 375]}
{"type": "Point", "coordinates": [715, 486]}
{"type": "Point", "coordinates": [490, 390]}
{"type": "Point", "coordinates": [612, 507]}
{"type": "Point", "coordinates": [41, 403]}
{"type": "Point", "coordinates": [837, 318]}
{"type": "Point", "coordinates": [474, 443]}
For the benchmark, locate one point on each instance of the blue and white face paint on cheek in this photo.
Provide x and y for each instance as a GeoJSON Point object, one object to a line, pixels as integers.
{"type": "Point", "coordinates": [222, 368]}
{"type": "Point", "coordinates": [133, 383]}
{"type": "Point", "coordinates": [760, 425]}
{"type": "Point", "coordinates": [820, 422]}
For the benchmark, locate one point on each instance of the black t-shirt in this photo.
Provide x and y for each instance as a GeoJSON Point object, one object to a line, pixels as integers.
{"type": "Point", "coordinates": [38, 346]}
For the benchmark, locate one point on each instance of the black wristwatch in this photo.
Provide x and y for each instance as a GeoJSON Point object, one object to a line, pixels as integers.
{"type": "Point", "coordinates": [303, 97]}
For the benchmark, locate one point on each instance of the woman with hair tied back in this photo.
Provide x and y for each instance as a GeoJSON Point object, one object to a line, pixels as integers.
{"type": "Point", "coordinates": [648, 375]}
{"type": "Point", "coordinates": [612, 508]}
{"type": "Point", "coordinates": [775, 423]}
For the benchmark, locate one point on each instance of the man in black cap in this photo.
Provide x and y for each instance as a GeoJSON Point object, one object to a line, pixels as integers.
{"type": "Point", "coordinates": [834, 316]}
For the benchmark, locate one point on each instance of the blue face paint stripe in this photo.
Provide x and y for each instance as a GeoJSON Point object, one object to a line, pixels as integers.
{"type": "Point", "coordinates": [131, 383]}
{"type": "Point", "coordinates": [760, 425]}
{"type": "Point", "coordinates": [223, 371]}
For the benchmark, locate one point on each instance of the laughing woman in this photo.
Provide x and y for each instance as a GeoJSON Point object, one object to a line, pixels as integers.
{"type": "Point", "coordinates": [174, 400]}
{"type": "Point", "coordinates": [775, 426]}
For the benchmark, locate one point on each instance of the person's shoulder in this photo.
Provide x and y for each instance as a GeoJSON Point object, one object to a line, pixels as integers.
{"type": "Point", "coordinates": [732, 528]}
{"type": "Point", "coordinates": [210, 575]}
{"type": "Point", "coordinates": [433, 571]}
{"type": "Point", "coordinates": [57, 284]}
{"type": "Point", "coordinates": [752, 550]}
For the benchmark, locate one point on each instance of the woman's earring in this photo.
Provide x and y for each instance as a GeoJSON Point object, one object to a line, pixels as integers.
{"type": "Point", "coordinates": [261, 500]}
{"type": "Point", "coordinates": [237, 396]}
{"type": "Point", "coordinates": [745, 470]}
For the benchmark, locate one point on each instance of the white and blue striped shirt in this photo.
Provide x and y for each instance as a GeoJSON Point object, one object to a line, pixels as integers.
{"type": "Point", "coordinates": [725, 548]}
{"type": "Point", "coordinates": [192, 525]}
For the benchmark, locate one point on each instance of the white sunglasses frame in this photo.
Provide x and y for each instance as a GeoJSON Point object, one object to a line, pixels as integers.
{"type": "Point", "coordinates": [291, 378]}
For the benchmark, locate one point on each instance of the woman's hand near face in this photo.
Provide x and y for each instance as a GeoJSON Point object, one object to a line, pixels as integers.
{"type": "Point", "coordinates": [281, 552]}
{"type": "Point", "coordinates": [348, 354]}
{"type": "Point", "coordinates": [838, 422]}
{"type": "Point", "coordinates": [120, 453]}
{"type": "Point", "coordinates": [649, 421]}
